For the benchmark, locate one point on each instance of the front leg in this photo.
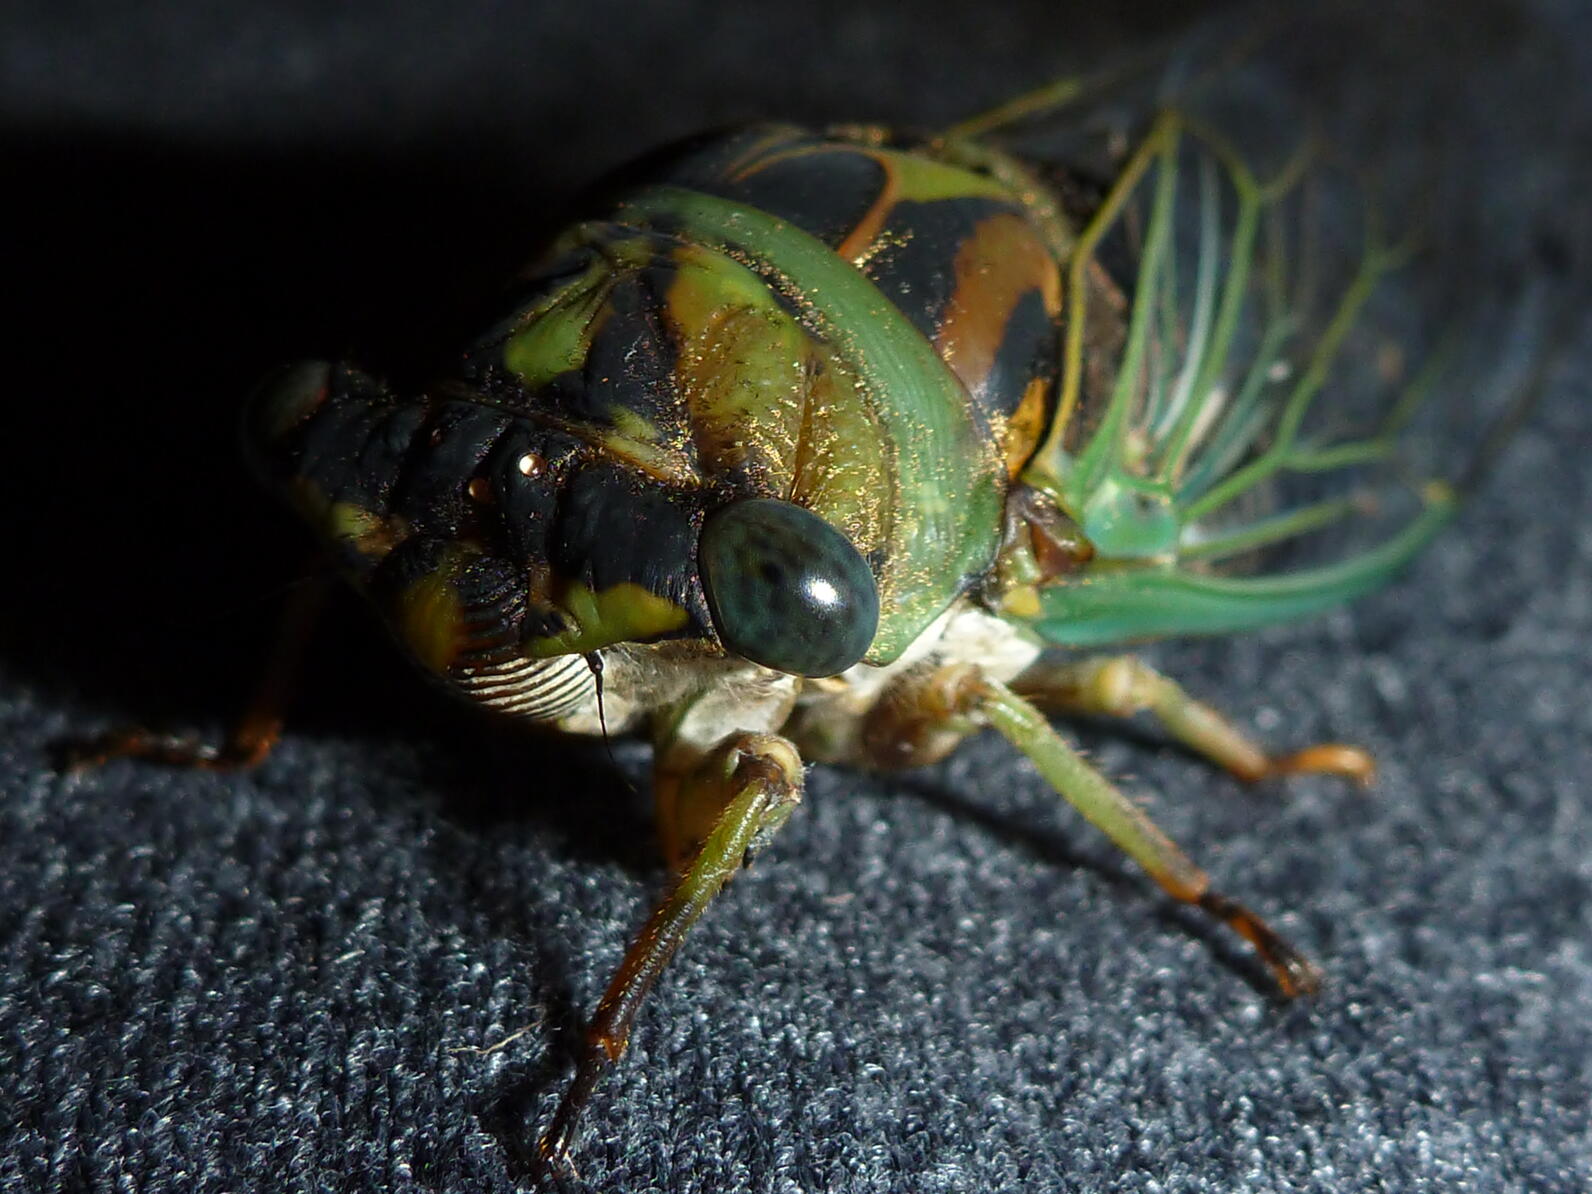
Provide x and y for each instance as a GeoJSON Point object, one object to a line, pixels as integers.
{"type": "Point", "coordinates": [753, 781]}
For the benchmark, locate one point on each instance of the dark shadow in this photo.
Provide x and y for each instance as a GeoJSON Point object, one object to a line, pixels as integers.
{"type": "Point", "coordinates": [159, 283]}
{"type": "Point", "coordinates": [594, 797]}
{"type": "Point", "coordinates": [515, 1114]}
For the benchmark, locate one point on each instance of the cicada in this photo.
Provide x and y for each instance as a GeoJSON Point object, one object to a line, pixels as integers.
{"type": "Point", "coordinates": [843, 445]}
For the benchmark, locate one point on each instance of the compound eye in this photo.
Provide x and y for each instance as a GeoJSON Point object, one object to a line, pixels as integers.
{"type": "Point", "coordinates": [786, 589]}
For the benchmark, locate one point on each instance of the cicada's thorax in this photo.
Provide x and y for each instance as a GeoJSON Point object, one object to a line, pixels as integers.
{"type": "Point", "coordinates": [864, 331]}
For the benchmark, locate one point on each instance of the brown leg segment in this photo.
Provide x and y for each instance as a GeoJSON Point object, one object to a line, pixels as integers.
{"type": "Point", "coordinates": [757, 782]}
{"type": "Point", "coordinates": [1123, 685]}
{"type": "Point", "coordinates": [256, 732]}
{"type": "Point", "coordinates": [921, 717]}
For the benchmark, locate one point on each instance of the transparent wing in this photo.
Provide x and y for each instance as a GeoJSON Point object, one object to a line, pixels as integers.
{"type": "Point", "coordinates": [1280, 355]}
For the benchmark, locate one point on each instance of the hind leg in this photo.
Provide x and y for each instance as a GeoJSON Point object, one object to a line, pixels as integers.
{"type": "Point", "coordinates": [929, 711]}
{"type": "Point", "coordinates": [1124, 686]}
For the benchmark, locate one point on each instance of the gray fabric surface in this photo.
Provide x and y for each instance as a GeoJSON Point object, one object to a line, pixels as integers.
{"type": "Point", "coordinates": [935, 981]}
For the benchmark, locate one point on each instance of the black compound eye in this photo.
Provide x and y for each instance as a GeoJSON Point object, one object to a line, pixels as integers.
{"type": "Point", "coordinates": [787, 590]}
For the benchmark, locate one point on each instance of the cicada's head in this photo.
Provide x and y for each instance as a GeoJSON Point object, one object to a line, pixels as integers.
{"type": "Point", "coordinates": [499, 533]}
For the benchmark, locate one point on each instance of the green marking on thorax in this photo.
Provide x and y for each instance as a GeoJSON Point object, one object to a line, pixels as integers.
{"type": "Point", "coordinates": [619, 613]}
{"type": "Point", "coordinates": [750, 372]}
{"type": "Point", "coordinates": [948, 523]}
{"type": "Point", "coordinates": [920, 179]}
{"type": "Point", "coordinates": [556, 337]}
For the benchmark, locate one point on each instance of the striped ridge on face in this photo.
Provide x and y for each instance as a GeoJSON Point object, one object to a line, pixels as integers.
{"type": "Point", "coordinates": [485, 535]}
{"type": "Point", "coordinates": [542, 689]}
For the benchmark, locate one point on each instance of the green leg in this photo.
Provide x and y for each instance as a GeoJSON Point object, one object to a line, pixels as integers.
{"type": "Point", "coordinates": [757, 781]}
{"type": "Point", "coordinates": [1134, 833]}
{"type": "Point", "coordinates": [1122, 686]}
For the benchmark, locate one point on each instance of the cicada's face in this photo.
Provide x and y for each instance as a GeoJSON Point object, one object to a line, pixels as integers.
{"type": "Point", "coordinates": [490, 533]}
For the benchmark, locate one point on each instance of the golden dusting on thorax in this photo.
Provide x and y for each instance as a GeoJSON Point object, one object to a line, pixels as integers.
{"type": "Point", "coordinates": [845, 458]}
{"type": "Point", "coordinates": [740, 371]}
{"type": "Point", "coordinates": [771, 402]}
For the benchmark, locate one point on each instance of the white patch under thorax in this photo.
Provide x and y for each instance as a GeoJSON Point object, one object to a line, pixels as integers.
{"type": "Point", "coordinates": [640, 680]}
{"type": "Point", "coordinates": [965, 633]}
{"type": "Point", "coordinates": [716, 695]}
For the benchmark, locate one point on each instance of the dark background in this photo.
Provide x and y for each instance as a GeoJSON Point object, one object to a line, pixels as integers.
{"type": "Point", "coordinates": [937, 981]}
